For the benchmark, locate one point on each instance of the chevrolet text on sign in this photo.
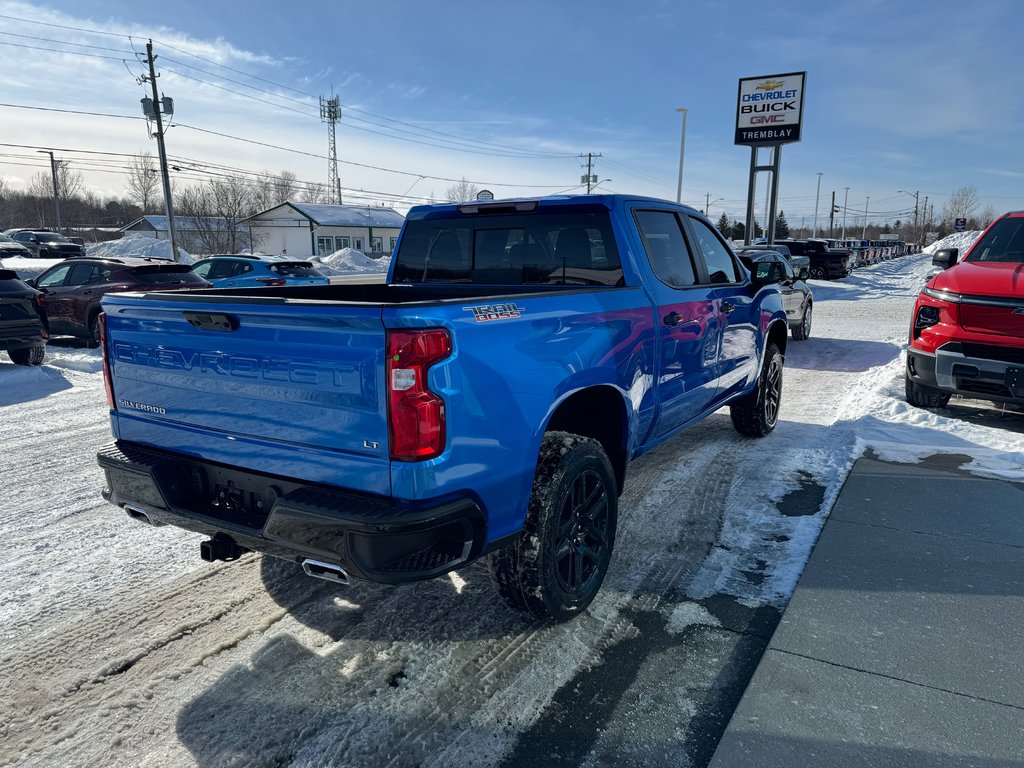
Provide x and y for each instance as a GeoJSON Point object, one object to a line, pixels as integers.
{"type": "Point", "coordinates": [770, 108]}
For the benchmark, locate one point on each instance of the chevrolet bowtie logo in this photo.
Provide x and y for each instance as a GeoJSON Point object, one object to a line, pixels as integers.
{"type": "Point", "coordinates": [770, 85]}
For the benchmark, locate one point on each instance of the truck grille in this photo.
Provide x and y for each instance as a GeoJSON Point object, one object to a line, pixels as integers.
{"type": "Point", "coordinates": [1005, 319]}
{"type": "Point", "coordinates": [993, 352]}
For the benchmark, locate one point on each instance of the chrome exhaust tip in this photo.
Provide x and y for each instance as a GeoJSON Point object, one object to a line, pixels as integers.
{"type": "Point", "coordinates": [326, 571]}
{"type": "Point", "coordinates": [137, 513]}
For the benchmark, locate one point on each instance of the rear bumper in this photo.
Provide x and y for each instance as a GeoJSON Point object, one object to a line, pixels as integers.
{"type": "Point", "coordinates": [971, 370]}
{"type": "Point", "coordinates": [22, 335]}
{"type": "Point", "coordinates": [371, 537]}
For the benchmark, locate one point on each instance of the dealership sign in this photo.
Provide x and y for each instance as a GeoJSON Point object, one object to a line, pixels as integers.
{"type": "Point", "coordinates": [769, 109]}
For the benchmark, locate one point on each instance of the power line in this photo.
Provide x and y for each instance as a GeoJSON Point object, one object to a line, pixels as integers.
{"type": "Point", "coordinates": [69, 53]}
{"type": "Point", "coordinates": [71, 111]}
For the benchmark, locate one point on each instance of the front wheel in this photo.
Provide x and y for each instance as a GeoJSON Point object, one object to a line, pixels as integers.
{"type": "Point", "coordinates": [756, 414]}
{"type": "Point", "coordinates": [556, 566]}
{"type": "Point", "coordinates": [28, 355]}
{"type": "Point", "coordinates": [923, 396]}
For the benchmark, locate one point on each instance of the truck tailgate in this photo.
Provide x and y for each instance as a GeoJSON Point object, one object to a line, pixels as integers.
{"type": "Point", "coordinates": [273, 386]}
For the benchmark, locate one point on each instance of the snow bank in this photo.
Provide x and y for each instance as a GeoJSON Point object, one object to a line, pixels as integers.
{"type": "Point", "coordinates": [959, 240]}
{"type": "Point", "coordinates": [135, 244]}
{"type": "Point", "coordinates": [348, 261]}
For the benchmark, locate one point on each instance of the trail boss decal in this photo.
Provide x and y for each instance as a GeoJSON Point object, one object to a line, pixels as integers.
{"type": "Point", "coordinates": [489, 312]}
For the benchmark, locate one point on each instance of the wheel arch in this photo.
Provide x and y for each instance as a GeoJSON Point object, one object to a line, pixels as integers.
{"type": "Point", "coordinates": [577, 413]}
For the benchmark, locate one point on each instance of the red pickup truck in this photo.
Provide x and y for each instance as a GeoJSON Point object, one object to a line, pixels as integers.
{"type": "Point", "coordinates": [967, 332]}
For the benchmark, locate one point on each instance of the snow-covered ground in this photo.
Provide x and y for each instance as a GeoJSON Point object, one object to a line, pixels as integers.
{"type": "Point", "coordinates": [121, 647]}
{"type": "Point", "coordinates": [349, 261]}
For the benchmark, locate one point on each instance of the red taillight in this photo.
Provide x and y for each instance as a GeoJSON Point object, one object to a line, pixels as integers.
{"type": "Point", "coordinates": [270, 281]}
{"type": "Point", "coordinates": [108, 382]}
{"type": "Point", "coordinates": [417, 419]}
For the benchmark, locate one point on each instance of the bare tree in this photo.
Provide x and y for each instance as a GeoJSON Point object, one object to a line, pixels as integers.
{"type": "Point", "coordinates": [316, 193]}
{"type": "Point", "coordinates": [214, 212]}
{"type": "Point", "coordinates": [961, 204]}
{"type": "Point", "coordinates": [144, 182]}
{"type": "Point", "coordinates": [271, 189]}
{"type": "Point", "coordinates": [462, 191]}
{"type": "Point", "coordinates": [984, 217]}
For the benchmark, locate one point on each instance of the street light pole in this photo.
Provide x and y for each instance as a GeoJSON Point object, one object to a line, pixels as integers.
{"type": "Point", "coordinates": [864, 231]}
{"type": "Point", "coordinates": [682, 147]}
{"type": "Point", "coordinates": [846, 197]}
{"type": "Point", "coordinates": [56, 194]}
{"type": "Point", "coordinates": [816, 196]}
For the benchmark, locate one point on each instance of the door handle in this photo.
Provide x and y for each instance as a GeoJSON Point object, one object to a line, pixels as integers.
{"type": "Point", "coordinates": [672, 319]}
{"type": "Point", "coordinates": [727, 307]}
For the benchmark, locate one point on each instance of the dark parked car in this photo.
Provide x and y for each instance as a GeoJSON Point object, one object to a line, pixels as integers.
{"type": "Point", "coordinates": [48, 245]}
{"type": "Point", "coordinates": [22, 322]}
{"type": "Point", "coordinates": [825, 264]}
{"type": "Point", "coordinates": [72, 290]}
{"type": "Point", "coordinates": [797, 299]}
{"type": "Point", "coordinates": [11, 248]}
{"type": "Point", "coordinates": [801, 264]}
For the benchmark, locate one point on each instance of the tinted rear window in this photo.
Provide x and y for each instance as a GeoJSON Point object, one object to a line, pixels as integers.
{"type": "Point", "coordinates": [1003, 242]}
{"type": "Point", "coordinates": [180, 274]}
{"type": "Point", "coordinates": [294, 269]}
{"type": "Point", "coordinates": [542, 248]}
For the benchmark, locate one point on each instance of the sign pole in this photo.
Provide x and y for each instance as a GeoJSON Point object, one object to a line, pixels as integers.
{"type": "Point", "coordinates": [749, 226]}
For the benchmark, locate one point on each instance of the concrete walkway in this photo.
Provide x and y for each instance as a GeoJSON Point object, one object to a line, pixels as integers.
{"type": "Point", "coordinates": [903, 644]}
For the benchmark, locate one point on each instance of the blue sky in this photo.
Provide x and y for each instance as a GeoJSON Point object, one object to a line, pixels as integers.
{"type": "Point", "coordinates": [900, 95]}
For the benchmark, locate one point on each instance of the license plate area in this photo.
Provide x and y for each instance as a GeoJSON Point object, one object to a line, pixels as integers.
{"type": "Point", "coordinates": [1014, 380]}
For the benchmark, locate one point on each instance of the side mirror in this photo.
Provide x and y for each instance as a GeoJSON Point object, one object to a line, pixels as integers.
{"type": "Point", "coordinates": [33, 239]}
{"type": "Point", "coordinates": [31, 282]}
{"type": "Point", "coordinates": [945, 258]}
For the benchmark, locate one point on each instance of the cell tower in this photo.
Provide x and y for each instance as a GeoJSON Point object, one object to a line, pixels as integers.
{"type": "Point", "coordinates": [330, 113]}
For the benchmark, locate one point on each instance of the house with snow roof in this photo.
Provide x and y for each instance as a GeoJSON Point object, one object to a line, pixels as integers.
{"type": "Point", "coordinates": [197, 234]}
{"type": "Point", "coordinates": [301, 230]}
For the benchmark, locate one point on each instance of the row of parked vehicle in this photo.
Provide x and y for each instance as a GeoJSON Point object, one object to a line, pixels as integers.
{"type": "Point", "coordinates": [65, 299]}
{"type": "Point", "coordinates": [39, 244]}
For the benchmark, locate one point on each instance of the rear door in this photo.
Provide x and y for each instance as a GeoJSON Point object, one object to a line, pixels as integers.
{"type": "Point", "coordinates": [58, 311]}
{"type": "Point", "coordinates": [83, 291]}
{"type": "Point", "coordinates": [737, 352]}
{"type": "Point", "coordinates": [686, 318]}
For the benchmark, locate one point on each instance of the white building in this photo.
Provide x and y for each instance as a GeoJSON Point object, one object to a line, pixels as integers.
{"type": "Point", "coordinates": [302, 230]}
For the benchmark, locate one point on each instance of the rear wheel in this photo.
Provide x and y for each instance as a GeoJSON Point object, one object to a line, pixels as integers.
{"type": "Point", "coordinates": [94, 331]}
{"type": "Point", "coordinates": [803, 331]}
{"type": "Point", "coordinates": [923, 396]}
{"type": "Point", "coordinates": [756, 414]}
{"type": "Point", "coordinates": [818, 273]}
{"type": "Point", "coordinates": [556, 567]}
{"type": "Point", "coordinates": [27, 355]}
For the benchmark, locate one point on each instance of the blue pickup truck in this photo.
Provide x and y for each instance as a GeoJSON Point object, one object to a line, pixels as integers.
{"type": "Point", "coordinates": [484, 401]}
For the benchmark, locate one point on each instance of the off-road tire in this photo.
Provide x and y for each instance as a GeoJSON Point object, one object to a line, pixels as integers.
{"type": "Point", "coordinates": [27, 355]}
{"type": "Point", "coordinates": [923, 396]}
{"type": "Point", "coordinates": [556, 566]}
{"type": "Point", "coordinates": [818, 273]}
{"type": "Point", "coordinates": [802, 332]}
{"type": "Point", "coordinates": [756, 414]}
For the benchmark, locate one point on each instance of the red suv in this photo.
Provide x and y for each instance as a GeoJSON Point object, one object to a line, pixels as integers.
{"type": "Point", "coordinates": [71, 291]}
{"type": "Point", "coordinates": [967, 332]}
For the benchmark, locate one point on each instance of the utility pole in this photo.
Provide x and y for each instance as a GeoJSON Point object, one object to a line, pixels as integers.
{"type": "Point", "coordinates": [816, 196]}
{"type": "Point", "coordinates": [56, 193]}
{"type": "Point", "coordinates": [590, 179]}
{"type": "Point", "coordinates": [154, 111]}
{"type": "Point", "coordinates": [864, 231]}
{"type": "Point", "coordinates": [925, 220]}
{"type": "Point", "coordinates": [832, 217]}
{"type": "Point", "coordinates": [846, 198]}
{"type": "Point", "coordinates": [330, 113]}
